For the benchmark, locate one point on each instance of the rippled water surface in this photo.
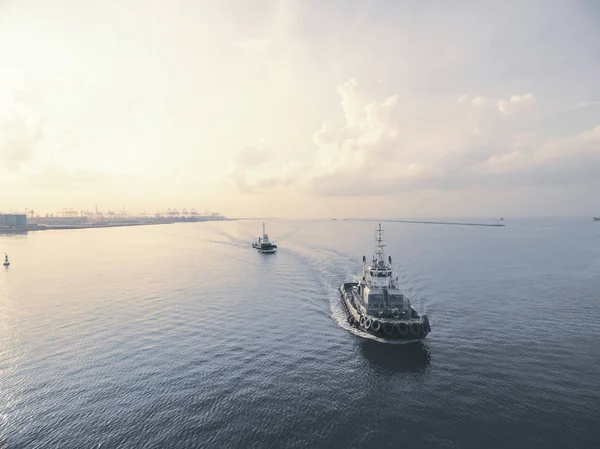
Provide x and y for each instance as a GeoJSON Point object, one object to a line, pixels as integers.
{"type": "Point", "coordinates": [183, 336]}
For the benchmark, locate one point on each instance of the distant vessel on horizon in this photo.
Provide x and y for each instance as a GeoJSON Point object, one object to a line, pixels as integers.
{"type": "Point", "coordinates": [596, 218]}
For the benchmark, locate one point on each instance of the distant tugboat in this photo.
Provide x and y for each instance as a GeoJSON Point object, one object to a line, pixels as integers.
{"type": "Point", "coordinates": [6, 262]}
{"type": "Point", "coordinates": [377, 306]}
{"type": "Point", "coordinates": [264, 245]}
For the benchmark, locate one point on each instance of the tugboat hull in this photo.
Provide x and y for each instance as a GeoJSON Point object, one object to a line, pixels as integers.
{"type": "Point", "coordinates": [270, 250]}
{"type": "Point", "coordinates": [412, 329]}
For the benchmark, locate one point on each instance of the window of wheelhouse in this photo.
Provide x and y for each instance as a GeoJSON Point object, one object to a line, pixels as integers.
{"type": "Point", "coordinates": [376, 301]}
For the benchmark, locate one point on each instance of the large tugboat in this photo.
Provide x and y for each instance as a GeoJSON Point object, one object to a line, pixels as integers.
{"type": "Point", "coordinates": [264, 245]}
{"type": "Point", "coordinates": [376, 305]}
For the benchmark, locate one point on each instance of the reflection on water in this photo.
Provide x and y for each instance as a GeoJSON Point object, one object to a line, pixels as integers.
{"type": "Point", "coordinates": [396, 358]}
{"type": "Point", "coordinates": [10, 231]}
{"type": "Point", "coordinates": [13, 233]}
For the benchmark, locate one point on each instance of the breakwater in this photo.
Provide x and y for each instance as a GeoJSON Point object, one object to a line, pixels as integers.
{"type": "Point", "coordinates": [456, 223]}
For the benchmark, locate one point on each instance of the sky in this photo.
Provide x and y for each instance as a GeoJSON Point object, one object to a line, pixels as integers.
{"type": "Point", "coordinates": [301, 109]}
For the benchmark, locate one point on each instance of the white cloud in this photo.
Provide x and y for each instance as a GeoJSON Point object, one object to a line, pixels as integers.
{"type": "Point", "coordinates": [584, 104]}
{"type": "Point", "coordinates": [384, 148]}
{"type": "Point", "coordinates": [370, 132]}
{"type": "Point", "coordinates": [516, 104]}
{"type": "Point", "coordinates": [257, 170]}
{"type": "Point", "coordinates": [19, 139]}
{"type": "Point", "coordinates": [21, 124]}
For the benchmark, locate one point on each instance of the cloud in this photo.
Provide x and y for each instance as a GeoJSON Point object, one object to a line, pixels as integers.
{"type": "Point", "coordinates": [244, 161]}
{"type": "Point", "coordinates": [57, 179]}
{"type": "Point", "coordinates": [516, 104]}
{"type": "Point", "coordinates": [38, 124]}
{"type": "Point", "coordinates": [50, 180]}
{"type": "Point", "coordinates": [584, 104]}
{"type": "Point", "coordinates": [26, 128]}
{"type": "Point", "coordinates": [256, 170]}
{"type": "Point", "coordinates": [20, 136]}
{"type": "Point", "coordinates": [388, 144]}
{"type": "Point", "coordinates": [391, 144]}
{"type": "Point", "coordinates": [370, 134]}
{"type": "Point", "coordinates": [369, 154]}
{"type": "Point", "coordinates": [485, 142]}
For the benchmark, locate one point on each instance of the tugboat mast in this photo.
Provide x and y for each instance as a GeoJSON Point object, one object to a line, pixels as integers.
{"type": "Point", "coordinates": [380, 260]}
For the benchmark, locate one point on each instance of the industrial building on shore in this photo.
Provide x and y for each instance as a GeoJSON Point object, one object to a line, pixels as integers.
{"type": "Point", "coordinates": [13, 222]}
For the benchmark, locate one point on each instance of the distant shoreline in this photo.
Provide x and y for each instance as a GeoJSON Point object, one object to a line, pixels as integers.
{"type": "Point", "coordinates": [91, 226]}
{"type": "Point", "coordinates": [50, 227]}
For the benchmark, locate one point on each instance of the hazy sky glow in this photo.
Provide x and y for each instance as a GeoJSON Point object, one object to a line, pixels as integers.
{"type": "Point", "coordinates": [301, 108]}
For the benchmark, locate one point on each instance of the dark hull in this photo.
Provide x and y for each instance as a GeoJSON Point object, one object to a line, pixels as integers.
{"type": "Point", "coordinates": [264, 248]}
{"type": "Point", "coordinates": [412, 330]}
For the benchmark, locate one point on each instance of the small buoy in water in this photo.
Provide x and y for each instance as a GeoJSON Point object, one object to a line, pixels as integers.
{"type": "Point", "coordinates": [6, 262]}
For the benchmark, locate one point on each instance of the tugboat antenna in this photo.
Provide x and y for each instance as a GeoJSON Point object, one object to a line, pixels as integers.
{"type": "Point", "coordinates": [379, 238]}
{"type": "Point", "coordinates": [380, 244]}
